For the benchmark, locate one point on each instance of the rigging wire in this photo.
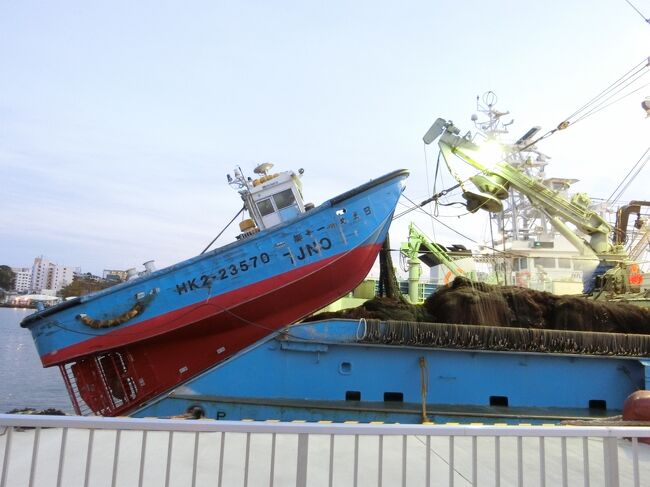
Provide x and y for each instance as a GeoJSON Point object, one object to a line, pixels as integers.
{"type": "Point", "coordinates": [224, 229]}
{"type": "Point", "coordinates": [601, 104]}
{"type": "Point", "coordinates": [425, 202]}
{"type": "Point", "coordinates": [617, 100]}
{"type": "Point", "coordinates": [419, 208]}
{"type": "Point", "coordinates": [637, 11]}
{"type": "Point", "coordinates": [435, 181]}
{"type": "Point", "coordinates": [426, 171]}
{"type": "Point", "coordinates": [629, 177]}
{"type": "Point", "coordinates": [633, 71]}
{"type": "Point", "coordinates": [596, 103]}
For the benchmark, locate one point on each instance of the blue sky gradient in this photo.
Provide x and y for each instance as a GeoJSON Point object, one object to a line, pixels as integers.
{"type": "Point", "coordinates": [119, 120]}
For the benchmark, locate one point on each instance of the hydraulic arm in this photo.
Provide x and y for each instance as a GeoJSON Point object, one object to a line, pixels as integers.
{"type": "Point", "coordinates": [418, 243]}
{"type": "Point", "coordinates": [497, 176]}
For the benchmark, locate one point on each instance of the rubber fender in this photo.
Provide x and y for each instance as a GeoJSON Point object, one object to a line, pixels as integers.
{"type": "Point", "coordinates": [637, 408]}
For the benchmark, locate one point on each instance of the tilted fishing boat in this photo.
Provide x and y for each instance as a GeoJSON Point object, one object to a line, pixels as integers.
{"type": "Point", "coordinates": [122, 346]}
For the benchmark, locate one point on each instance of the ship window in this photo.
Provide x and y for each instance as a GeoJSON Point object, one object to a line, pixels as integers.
{"type": "Point", "coordinates": [585, 264]}
{"type": "Point", "coordinates": [265, 207]}
{"type": "Point", "coordinates": [353, 395]}
{"type": "Point", "coordinates": [284, 199]}
{"type": "Point", "coordinates": [523, 263]}
{"type": "Point", "coordinates": [345, 368]}
{"type": "Point", "coordinates": [599, 404]}
{"type": "Point", "coordinates": [546, 262]}
{"type": "Point", "coordinates": [499, 401]}
{"type": "Point", "coordinates": [564, 263]}
{"type": "Point", "coordinates": [393, 397]}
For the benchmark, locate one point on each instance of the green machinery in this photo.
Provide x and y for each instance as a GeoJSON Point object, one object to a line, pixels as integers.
{"type": "Point", "coordinates": [417, 244]}
{"type": "Point", "coordinates": [613, 269]}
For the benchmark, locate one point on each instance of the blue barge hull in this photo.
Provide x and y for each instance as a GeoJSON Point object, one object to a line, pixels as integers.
{"type": "Point", "coordinates": [321, 371]}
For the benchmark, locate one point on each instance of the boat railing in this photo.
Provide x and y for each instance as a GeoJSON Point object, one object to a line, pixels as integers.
{"type": "Point", "coordinates": [72, 450]}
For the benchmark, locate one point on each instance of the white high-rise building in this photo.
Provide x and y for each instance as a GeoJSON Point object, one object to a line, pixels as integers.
{"type": "Point", "coordinates": [23, 278]}
{"type": "Point", "coordinates": [39, 274]}
{"type": "Point", "coordinates": [48, 275]}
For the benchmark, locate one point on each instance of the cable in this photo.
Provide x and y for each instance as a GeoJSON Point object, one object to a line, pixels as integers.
{"type": "Point", "coordinates": [426, 170]}
{"type": "Point", "coordinates": [629, 179]}
{"type": "Point", "coordinates": [224, 229]}
{"type": "Point", "coordinates": [637, 11]}
{"type": "Point", "coordinates": [620, 80]}
{"type": "Point", "coordinates": [416, 207]}
{"type": "Point", "coordinates": [602, 107]}
{"type": "Point", "coordinates": [599, 106]}
{"type": "Point", "coordinates": [596, 103]}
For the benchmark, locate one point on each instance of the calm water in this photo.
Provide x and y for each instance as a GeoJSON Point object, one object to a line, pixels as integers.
{"type": "Point", "coordinates": [23, 380]}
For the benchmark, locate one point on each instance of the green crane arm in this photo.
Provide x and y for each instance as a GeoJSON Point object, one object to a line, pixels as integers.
{"type": "Point", "coordinates": [559, 210]}
{"type": "Point", "coordinates": [417, 240]}
{"type": "Point", "coordinates": [412, 249]}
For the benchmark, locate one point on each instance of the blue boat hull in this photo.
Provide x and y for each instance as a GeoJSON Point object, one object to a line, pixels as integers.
{"type": "Point", "coordinates": [127, 344]}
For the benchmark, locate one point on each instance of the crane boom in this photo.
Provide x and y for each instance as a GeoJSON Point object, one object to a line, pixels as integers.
{"type": "Point", "coordinates": [497, 176]}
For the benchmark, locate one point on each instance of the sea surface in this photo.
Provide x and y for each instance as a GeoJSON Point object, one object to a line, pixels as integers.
{"type": "Point", "coordinates": [23, 380]}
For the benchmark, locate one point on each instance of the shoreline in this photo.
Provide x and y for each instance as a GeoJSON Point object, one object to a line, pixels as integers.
{"type": "Point", "coordinates": [18, 306]}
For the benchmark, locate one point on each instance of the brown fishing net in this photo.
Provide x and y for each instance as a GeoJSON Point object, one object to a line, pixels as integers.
{"type": "Point", "coordinates": [483, 304]}
{"type": "Point", "coordinates": [470, 315]}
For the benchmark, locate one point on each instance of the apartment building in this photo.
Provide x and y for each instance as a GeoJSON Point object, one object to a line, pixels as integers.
{"type": "Point", "coordinates": [48, 275]}
{"type": "Point", "coordinates": [23, 278]}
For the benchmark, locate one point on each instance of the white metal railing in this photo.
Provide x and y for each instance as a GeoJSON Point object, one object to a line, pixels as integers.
{"type": "Point", "coordinates": [90, 451]}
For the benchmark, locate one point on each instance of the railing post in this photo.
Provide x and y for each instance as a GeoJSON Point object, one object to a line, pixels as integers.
{"type": "Point", "coordinates": [610, 451]}
{"type": "Point", "coordinates": [451, 461]}
{"type": "Point", "coordinates": [32, 469]}
{"type": "Point", "coordinates": [404, 453]}
{"type": "Point", "coordinates": [303, 450]}
{"type": "Point", "coordinates": [5, 463]}
{"type": "Point", "coordinates": [59, 473]}
{"type": "Point", "coordinates": [474, 461]}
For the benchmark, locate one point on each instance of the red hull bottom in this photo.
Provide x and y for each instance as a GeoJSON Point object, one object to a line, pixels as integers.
{"type": "Point", "coordinates": [121, 379]}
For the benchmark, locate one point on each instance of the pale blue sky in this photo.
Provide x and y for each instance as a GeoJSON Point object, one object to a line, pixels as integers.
{"type": "Point", "coordinates": [119, 120]}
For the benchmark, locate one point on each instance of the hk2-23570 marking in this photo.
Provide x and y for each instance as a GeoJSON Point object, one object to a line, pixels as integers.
{"type": "Point", "coordinates": [223, 273]}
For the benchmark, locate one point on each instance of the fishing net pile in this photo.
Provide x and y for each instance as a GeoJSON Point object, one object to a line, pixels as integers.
{"type": "Point", "coordinates": [467, 302]}
{"type": "Point", "coordinates": [482, 304]}
{"type": "Point", "coordinates": [468, 315]}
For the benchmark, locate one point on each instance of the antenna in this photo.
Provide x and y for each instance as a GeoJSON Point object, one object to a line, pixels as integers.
{"type": "Point", "coordinates": [435, 131]}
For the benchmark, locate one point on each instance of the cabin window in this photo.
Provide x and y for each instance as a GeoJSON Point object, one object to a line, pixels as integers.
{"type": "Point", "coordinates": [520, 264]}
{"type": "Point", "coordinates": [584, 264]}
{"type": "Point", "coordinates": [265, 207]}
{"type": "Point", "coordinates": [284, 199]}
{"type": "Point", "coordinates": [564, 263]}
{"type": "Point", "coordinates": [545, 262]}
